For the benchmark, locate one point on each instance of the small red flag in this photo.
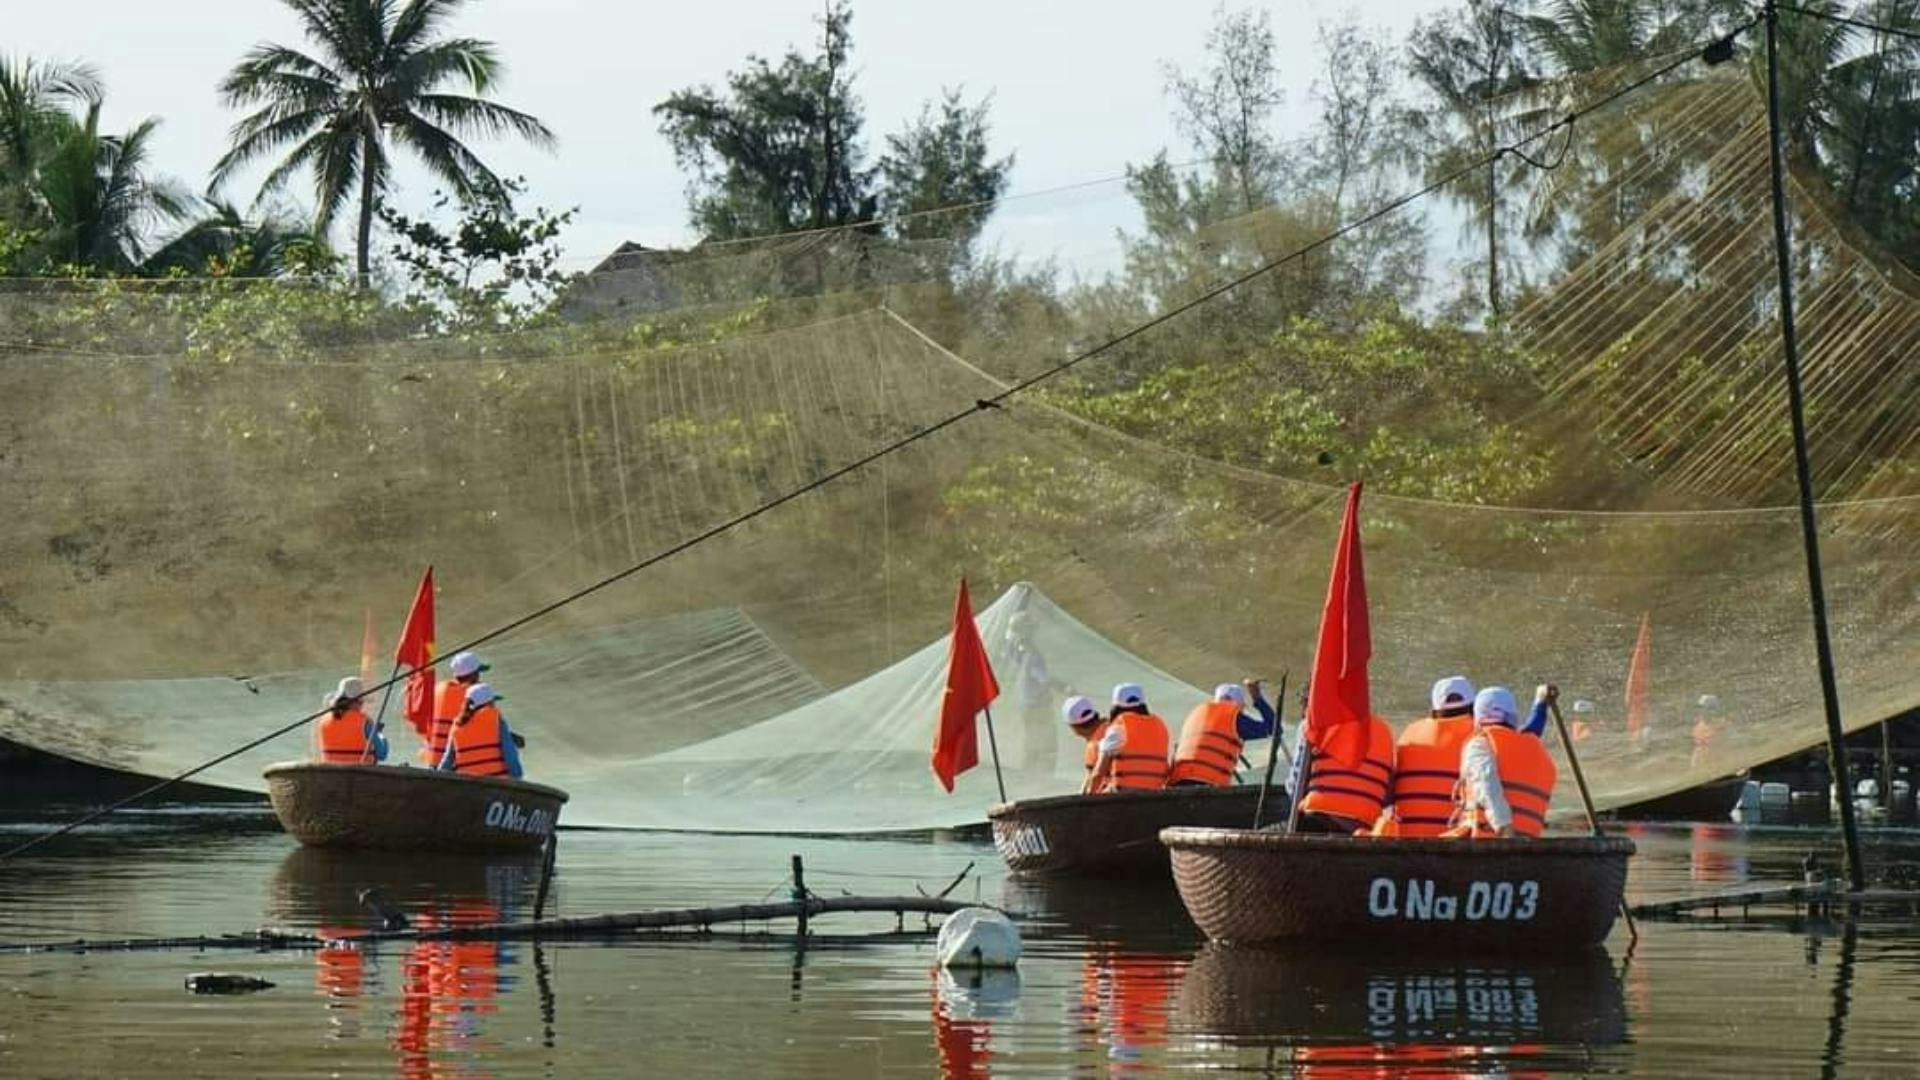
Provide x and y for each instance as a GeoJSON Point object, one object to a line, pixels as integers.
{"type": "Point", "coordinates": [1339, 710]}
{"type": "Point", "coordinates": [415, 650]}
{"type": "Point", "coordinates": [1638, 673]}
{"type": "Point", "coordinates": [970, 688]}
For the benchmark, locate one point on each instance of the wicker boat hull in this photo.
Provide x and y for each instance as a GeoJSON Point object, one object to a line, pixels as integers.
{"type": "Point", "coordinates": [1533, 897]}
{"type": "Point", "coordinates": [385, 806]}
{"type": "Point", "coordinates": [1117, 834]}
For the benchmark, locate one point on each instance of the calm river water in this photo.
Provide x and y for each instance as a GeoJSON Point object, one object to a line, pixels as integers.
{"type": "Point", "coordinates": [1115, 980]}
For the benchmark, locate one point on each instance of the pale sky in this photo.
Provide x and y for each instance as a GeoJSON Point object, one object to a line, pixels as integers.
{"type": "Point", "coordinates": [1076, 84]}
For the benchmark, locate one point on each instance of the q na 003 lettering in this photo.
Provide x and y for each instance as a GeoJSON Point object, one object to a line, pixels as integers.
{"type": "Point", "coordinates": [1420, 900]}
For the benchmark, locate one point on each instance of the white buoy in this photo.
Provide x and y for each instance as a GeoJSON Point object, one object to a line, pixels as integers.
{"type": "Point", "coordinates": [978, 938]}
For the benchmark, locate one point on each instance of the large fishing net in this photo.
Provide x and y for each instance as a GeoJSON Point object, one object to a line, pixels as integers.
{"type": "Point", "coordinates": [199, 531]}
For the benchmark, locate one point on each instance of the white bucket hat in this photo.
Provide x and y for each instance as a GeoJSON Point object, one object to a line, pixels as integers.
{"type": "Point", "coordinates": [1129, 694]}
{"type": "Point", "coordinates": [480, 694]}
{"type": "Point", "coordinates": [464, 664]}
{"type": "Point", "coordinates": [1496, 705]}
{"type": "Point", "coordinates": [1079, 710]}
{"type": "Point", "coordinates": [1452, 692]}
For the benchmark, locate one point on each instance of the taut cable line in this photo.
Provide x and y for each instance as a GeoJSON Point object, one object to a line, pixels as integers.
{"type": "Point", "coordinates": [980, 405]}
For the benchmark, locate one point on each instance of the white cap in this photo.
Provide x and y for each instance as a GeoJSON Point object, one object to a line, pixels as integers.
{"type": "Point", "coordinates": [1129, 694]}
{"type": "Point", "coordinates": [1451, 692]}
{"type": "Point", "coordinates": [1710, 702]}
{"type": "Point", "coordinates": [1495, 705]}
{"type": "Point", "coordinates": [349, 688]}
{"type": "Point", "coordinates": [1583, 706]}
{"type": "Point", "coordinates": [480, 694]}
{"type": "Point", "coordinates": [1226, 691]}
{"type": "Point", "coordinates": [1079, 710]}
{"type": "Point", "coordinates": [464, 664]}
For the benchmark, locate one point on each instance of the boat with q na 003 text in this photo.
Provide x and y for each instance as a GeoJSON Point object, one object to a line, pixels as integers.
{"type": "Point", "coordinates": [394, 806]}
{"type": "Point", "coordinates": [1508, 896]}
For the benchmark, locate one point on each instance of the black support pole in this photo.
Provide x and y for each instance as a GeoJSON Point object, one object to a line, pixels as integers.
{"type": "Point", "coordinates": [1809, 524]}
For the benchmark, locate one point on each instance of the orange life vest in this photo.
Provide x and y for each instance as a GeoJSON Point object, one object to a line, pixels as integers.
{"type": "Point", "coordinates": [1357, 794]}
{"type": "Point", "coordinates": [449, 701]}
{"type": "Point", "coordinates": [1092, 755]}
{"type": "Point", "coordinates": [1426, 768]}
{"type": "Point", "coordinates": [477, 749]}
{"type": "Point", "coordinates": [1209, 745]}
{"type": "Point", "coordinates": [1141, 764]}
{"type": "Point", "coordinates": [343, 737]}
{"type": "Point", "coordinates": [1527, 775]}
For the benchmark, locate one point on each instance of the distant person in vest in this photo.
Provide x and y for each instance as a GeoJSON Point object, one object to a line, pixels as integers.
{"type": "Point", "coordinates": [1346, 801]}
{"type": "Point", "coordinates": [481, 743]}
{"type": "Point", "coordinates": [1211, 739]}
{"type": "Point", "coordinates": [346, 736]}
{"type": "Point", "coordinates": [1133, 749]}
{"type": "Point", "coordinates": [1427, 763]}
{"type": "Point", "coordinates": [1084, 720]}
{"type": "Point", "coordinates": [1705, 727]}
{"type": "Point", "coordinates": [1506, 775]}
{"type": "Point", "coordinates": [449, 701]}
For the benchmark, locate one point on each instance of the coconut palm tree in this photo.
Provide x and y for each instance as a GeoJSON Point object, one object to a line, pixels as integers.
{"type": "Point", "coordinates": [36, 103]}
{"type": "Point", "coordinates": [380, 80]}
{"type": "Point", "coordinates": [267, 245]}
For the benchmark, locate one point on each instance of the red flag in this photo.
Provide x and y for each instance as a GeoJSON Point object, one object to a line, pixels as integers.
{"type": "Point", "coordinates": [1339, 710]}
{"type": "Point", "coordinates": [416, 648]}
{"type": "Point", "coordinates": [970, 688]}
{"type": "Point", "coordinates": [1638, 672]}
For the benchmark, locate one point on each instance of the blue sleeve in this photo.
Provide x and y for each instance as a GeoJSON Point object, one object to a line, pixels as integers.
{"type": "Point", "coordinates": [1536, 724]}
{"type": "Point", "coordinates": [372, 732]}
{"type": "Point", "coordinates": [508, 750]}
{"type": "Point", "coordinates": [1251, 728]}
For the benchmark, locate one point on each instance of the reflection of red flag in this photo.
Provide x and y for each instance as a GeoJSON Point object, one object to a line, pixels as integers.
{"type": "Point", "coordinates": [963, 1045]}
{"type": "Point", "coordinates": [1637, 675]}
{"type": "Point", "coordinates": [1338, 706]}
{"type": "Point", "coordinates": [970, 688]}
{"type": "Point", "coordinates": [416, 648]}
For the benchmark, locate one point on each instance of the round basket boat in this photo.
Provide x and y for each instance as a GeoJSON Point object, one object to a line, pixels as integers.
{"type": "Point", "coordinates": [389, 806]}
{"type": "Point", "coordinates": [1115, 834]}
{"type": "Point", "coordinates": [1507, 896]}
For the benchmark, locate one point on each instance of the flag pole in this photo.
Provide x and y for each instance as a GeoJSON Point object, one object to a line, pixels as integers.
{"type": "Point", "coordinates": [994, 747]}
{"type": "Point", "coordinates": [1273, 750]}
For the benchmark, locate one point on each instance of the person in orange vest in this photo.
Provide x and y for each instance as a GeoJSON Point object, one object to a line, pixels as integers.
{"type": "Point", "coordinates": [1133, 750]}
{"type": "Point", "coordinates": [1084, 720]}
{"type": "Point", "coordinates": [1427, 763]}
{"type": "Point", "coordinates": [345, 736]}
{"type": "Point", "coordinates": [1213, 734]}
{"type": "Point", "coordinates": [1705, 727]}
{"type": "Point", "coordinates": [1506, 775]}
{"type": "Point", "coordinates": [1344, 800]}
{"type": "Point", "coordinates": [449, 701]}
{"type": "Point", "coordinates": [481, 743]}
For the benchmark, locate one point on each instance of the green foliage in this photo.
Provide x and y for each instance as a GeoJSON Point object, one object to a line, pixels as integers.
{"type": "Point", "coordinates": [942, 159]}
{"type": "Point", "coordinates": [494, 269]}
{"type": "Point", "coordinates": [1412, 409]}
{"type": "Point", "coordinates": [380, 82]}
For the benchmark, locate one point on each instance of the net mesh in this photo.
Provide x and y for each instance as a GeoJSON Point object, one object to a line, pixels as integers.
{"type": "Point", "coordinates": [203, 520]}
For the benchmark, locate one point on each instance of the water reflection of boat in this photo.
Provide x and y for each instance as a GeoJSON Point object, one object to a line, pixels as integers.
{"type": "Point", "coordinates": [1400, 1010]}
{"type": "Point", "coordinates": [1115, 833]}
{"type": "Point", "coordinates": [388, 806]}
{"type": "Point", "coordinates": [1484, 896]}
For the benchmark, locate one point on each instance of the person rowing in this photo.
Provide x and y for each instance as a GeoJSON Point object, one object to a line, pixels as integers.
{"type": "Point", "coordinates": [481, 743]}
{"type": "Point", "coordinates": [1083, 718]}
{"type": "Point", "coordinates": [1506, 775]}
{"type": "Point", "coordinates": [1215, 731]}
{"type": "Point", "coordinates": [449, 702]}
{"type": "Point", "coordinates": [1427, 763]}
{"type": "Point", "coordinates": [1133, 749]}
{"type": "Point", "coordinates": [346, 735]}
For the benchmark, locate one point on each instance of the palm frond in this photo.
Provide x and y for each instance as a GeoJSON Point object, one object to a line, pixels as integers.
{"type": "Point", "coordinates": [476, 116]}
{"type": "Point", "coordinates": [445, 156]}
{"type": "Point", "coordinates": [417, 22]}
{"type": "Point", "coordinates": [470, 60]}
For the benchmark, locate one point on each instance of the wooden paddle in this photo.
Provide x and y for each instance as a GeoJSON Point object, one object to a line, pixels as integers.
{"type": "Point", "coordinates": [1586, 796]}
{"type": "Point", "coordinates": [1273, 749]}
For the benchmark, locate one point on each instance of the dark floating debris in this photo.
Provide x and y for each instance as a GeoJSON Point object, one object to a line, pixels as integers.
{"type": "Point", "coordinates": [221, 982]}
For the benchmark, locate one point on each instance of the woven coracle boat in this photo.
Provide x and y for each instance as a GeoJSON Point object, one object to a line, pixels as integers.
{"type": "Point", "coordinates": [388, 806]}
{"type": "Point", "coordinates": [1552, 895]}
{"type": "Point", "coordinates": [1295, 994]}
{"type": "Point", "coordinates": [1115, 833]}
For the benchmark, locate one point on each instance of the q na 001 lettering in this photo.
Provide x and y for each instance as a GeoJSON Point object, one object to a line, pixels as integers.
{"type": "Point", "coordinates": [1421, 900]}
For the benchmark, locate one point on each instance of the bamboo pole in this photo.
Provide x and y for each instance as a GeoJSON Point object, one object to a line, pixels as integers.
{"type": "Point", "coordinates": [1586, 796]}
{"type": "Point", "coordinates": [1273, 749]}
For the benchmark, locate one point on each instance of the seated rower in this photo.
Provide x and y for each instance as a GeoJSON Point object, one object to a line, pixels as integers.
{"type": "Point", "coordinates": [1133, 749]}
{"type": "Point", "coordinates": [1427, 763]}
{"type": "Point", "coordinates": [481, 743]}
{"type": "Point", "coordinates": [1506, 776]}
{"type": "Point", "coordinates": [1214, 732]}
{"type": "Point", "coordinates": [1083, 719]}
{"type": "Point", "coordinates": [448, 702]}
{"type": "Point", "coordinates": [345, 736]}
{"type": "Point", "coordinates": [1348, 801]}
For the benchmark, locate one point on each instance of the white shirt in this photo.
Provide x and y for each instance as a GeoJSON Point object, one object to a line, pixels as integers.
{"type": "Point", "coordinates": [1480, 780]}
{"type": "Point", "coordinates": [1114, 738]}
